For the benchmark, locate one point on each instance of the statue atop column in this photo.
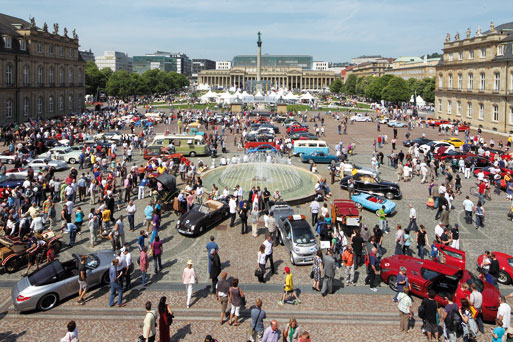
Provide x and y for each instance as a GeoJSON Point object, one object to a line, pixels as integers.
{"type": "Point", "coordinates": [32, 22]}
{"type": "Point", "coordinates": [468, 32]}
{"type": "Point", "coordinates": [479, 33]}
{"type": "Point", "coordinates": [492, 27]}
{"type": "Point", "coordinates": [65, 34]}
{"type": "Point", "coordinates": [55, 28]}
{"type": "Point", "coordinates": [457, 36]}
{"type": "Point", "coordinates": [448, 37]}
{"type": "Point", "coordinates": [75, 35]}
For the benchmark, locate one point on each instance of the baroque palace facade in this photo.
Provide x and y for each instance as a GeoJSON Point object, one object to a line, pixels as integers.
{"type": "Point", "coordinates": [278, 77]}
{"type": "Point", "coordinates": [41, 72]}
{"type": "Point", "coordinates": [474, 79]}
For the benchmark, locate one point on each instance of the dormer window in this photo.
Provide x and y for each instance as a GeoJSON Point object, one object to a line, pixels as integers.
{"type": "Point", "coordinates": [23, 45]}
{"type": "Point", "coordinates": [8, 42]}
{"type": "Point", "coordinates": [500, 50]}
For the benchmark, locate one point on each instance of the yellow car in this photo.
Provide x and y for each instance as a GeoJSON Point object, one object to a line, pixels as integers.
{"type": "Point", "coordinates": [455, 142]}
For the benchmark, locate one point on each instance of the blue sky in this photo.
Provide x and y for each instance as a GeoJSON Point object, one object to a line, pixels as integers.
{"type": "Point", "coordinates": [218, 30]}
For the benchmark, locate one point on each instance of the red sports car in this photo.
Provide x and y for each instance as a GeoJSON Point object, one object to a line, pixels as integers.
{"type": "Point", "coordinates": [296, 128]}
{"type": "Point", "coordinates": [505, 267]}
{"type": "Point", "coordinates": [445, 280]}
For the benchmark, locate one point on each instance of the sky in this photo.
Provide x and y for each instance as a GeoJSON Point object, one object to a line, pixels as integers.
{"type": "Point", "coordinates": [334, 31]}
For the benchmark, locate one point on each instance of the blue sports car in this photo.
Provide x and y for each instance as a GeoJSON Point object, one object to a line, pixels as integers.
{"type": "Point", "coordinates": [373, 202]}
{"type": "Point", "coordinates": [262, 149]}
{"type": "Point", "coordinates": [396, 124]}
{"type": "Point", "coordinates": [318, 157]}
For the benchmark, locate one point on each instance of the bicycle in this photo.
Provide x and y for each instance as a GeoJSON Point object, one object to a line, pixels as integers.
{"type": "Point", "coordinates": [474, 191]}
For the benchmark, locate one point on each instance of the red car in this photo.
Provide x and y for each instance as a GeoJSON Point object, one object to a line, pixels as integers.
{"type": "Point", "coordinates": [453, 154]}
{"type": "Point", "coordinates": [451, 256]}
{"type": "Point", "coordinates": [505, 267]}
{"type": "Point", "coordinates": [296, 128]}
{"type": "Point", "coordinates": [445, 280]}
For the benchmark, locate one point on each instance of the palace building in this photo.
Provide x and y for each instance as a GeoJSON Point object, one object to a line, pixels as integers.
{"type": "Point", "coordinates": [41, 72]}
{"type": "Point", "coordinates": [474, 79]}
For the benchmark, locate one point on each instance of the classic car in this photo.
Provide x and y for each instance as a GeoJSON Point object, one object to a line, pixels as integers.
{"type": "Point", "coordinates": [293, 122]}
{"type": "Point", "coordinates": [346, 169]}
{"type": "Point", "coordinates": [295, 234]}
{"type": "Point", "coordinates": [436, 145]}
{"type": "Point", "coordinates": [487, 173]}
{"type": "Point", "coordinates": [418, 141]}
{"type": "Point", "coordinates": [264, 148]}
{"type": "Point", "coordinates": [296, 128]}
{"type": "Point", "coordinates": [505, 267]}
{"type": "Point", "coordinates": [67, 154]}
{"type": "Point", "coordinates": [201, 217]}
{"type": "Point", "coordinates": [455, 141]}
{"type": "Point", "coordinates": [444, 279]}
{"type": "Point", "coordinates": [304, 136]}
{"type": "Point", "coordinates": [461, 128]}
{"type": "Point", "coordinates": [56, 281]}
{"type": "Point", "coordinates": [480, 162]}
{"type": "Point", "coordinates": [345, 215]}
{"type": "Point", "coordinates": [373, 203]}
{"type": "Point", "coordinates": [318, 157]}
{"type": "Point", "coordinates": [360, 118]}
{"type": "Point", "coordinates": [452, 154]}
{"type": "Point", "coordinates": [41, 163]}
{"type": "Point", "coordinates": [13, 252]}
{"type": "Point", "coordinates": [373, 185]}
{"type": "Point", "coordinates": [396, 124]}
{"type": "Point", "coordinates": [8, 183]}
{"type": "Point", "coordinates": [267, 125]}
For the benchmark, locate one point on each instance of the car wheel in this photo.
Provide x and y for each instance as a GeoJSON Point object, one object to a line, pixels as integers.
{"type": "Point", "coordinates": [392, 283]}
{"type": "Point", "coordinates": [359, 206]}
{"type": "Point", "coordinates": [292, 259]}
{"type": "Point", "coordinates": [13, 265]}
{"type": "Point", "coordinates": [300, 155]}
{"type": "Point", "coordinates": [47, 302]}
{"type": "Point", "coordinates": [310, 161]}
{"type": "Point", "coordinates": [389, 195]}
{"type": "Point", "coordinates": [105, 278]}
{"type": "Point", "coordinates": [280, 240]}
{"type": "Point", "coordinates": [504, 278]}
{"type": "Point", "coordinates": [72, 160]}
{"type": "Point", "coordinates": [192, 154]}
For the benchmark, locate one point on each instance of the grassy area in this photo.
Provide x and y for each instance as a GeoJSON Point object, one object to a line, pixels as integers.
{"type": "Point", "coordinates": [297, 108]}
{"type": "Point", "coordinates": [185, 106]}
{"type": "Point", "coordinates": [363, 105]}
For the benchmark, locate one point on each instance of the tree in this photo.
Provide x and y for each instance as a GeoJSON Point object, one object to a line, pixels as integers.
{"type": "Point", "coordinates": [351, 84]}
{"type": "Point", "coordinates": [396, 90]}
{"type": "Point", "coordinates": [120, 84]}
{"type": "Point", "coordinates": [336, 86]}
{"type": "Point", "coordinates": [375, 89]}
{"type": "Point", "coordinates": [95, 79]}
{"type": "Point", "coordinates": [428, 93]}
{"type": "Point", "coordinates": [362, 83]}
{"type": "Point", "coordinates": [433, 55]}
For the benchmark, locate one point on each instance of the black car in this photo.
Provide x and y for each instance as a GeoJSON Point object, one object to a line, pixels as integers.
{"type": "Point", "coordinates": [480, 162]}
{"type": "Point", "coordinates": [372, 184]}
{"type": "Point", "coordinates": [266, 125]}
{"type": "Point", "coordinates": [307, 135]}
{"type": "Point", "coordinates": [201, 217]}
{"type": "Point", "coordinates": [419, 141]}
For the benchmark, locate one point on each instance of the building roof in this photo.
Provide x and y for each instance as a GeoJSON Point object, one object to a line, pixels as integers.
{"type": "Point", "coordinates": [405, 59]}
{"type": "Point", "coordinates": [503, 27]}
{"type": "Point", "coordinates": [7, 25]}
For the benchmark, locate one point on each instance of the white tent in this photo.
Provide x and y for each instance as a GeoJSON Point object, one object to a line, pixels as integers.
{"type": "Point", "coordinates": [306, 97]}
{"type": "Point", "coordinates": [203, 86]}
{"type": "Point", "coordinates": [209, 97]}
{"type": "Point", "coordinates": [420, 100]}
{"type": "Point", "coordinates": [291, 97]}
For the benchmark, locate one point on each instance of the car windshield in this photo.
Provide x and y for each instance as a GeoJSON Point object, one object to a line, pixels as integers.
{"type": "Point", "coordinates": [510, 262]}
{"type": "Point", "coordinates": [473, 279]}
{"type": "Point", "coordinates": [92, 262]}
{"type": "Point", "coordinates": [68, 150]}
{"type": "Point", "coordinates": [46, 275]}
{"type": "Point", "coordinates": [302, 234]}
{"type": "Point", "coordinates": [429, 274]}
{"type": "Point", "coordinates": [203, 209]}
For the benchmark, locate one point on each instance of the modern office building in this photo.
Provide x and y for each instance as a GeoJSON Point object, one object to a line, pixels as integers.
{"type": "Point", "coordinates": [223, 65]}
{"type": "Point", "coordinates": [320, 66]}
{"type": "Point", "coordinates": [87, 55]}
{"type": "Point", "coordinates": [114, 60]}
{"type": "Point", "coordinates": [413, 67]}
{"type": "Point", "coordinates": [183, 64]}
{"type": "Point", "coordinates": [274, 61]}
{"type": "Point", "coordinates": [41, 71]}
{"type": "Point", "coordinates": [152, 61]}
{"type": "Point", "coordinates": [474, 79]}
{"type": "Point", "coordinates": [201, 64]}
{"type": "Point", "coordinates": [364, 59]}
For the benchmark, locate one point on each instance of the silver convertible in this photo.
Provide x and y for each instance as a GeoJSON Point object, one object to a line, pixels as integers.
{"type": "Point", "coordinates": [43, 289]}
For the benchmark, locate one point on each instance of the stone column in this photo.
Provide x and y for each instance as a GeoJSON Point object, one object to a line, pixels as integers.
{"type": "Point", "coordinates": [259, 56]}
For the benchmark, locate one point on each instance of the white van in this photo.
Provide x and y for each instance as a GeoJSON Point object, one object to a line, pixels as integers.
{"type": "Point", "coordinates": [309, 146]}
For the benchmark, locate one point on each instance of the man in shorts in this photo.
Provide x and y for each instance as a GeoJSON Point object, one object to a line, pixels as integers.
{"type": "Point", "coordinates": [222, 289]}
{"type": "Point", "coordinates": [82, 280]}
{"type": "Point", "coordinates": [288, 288]}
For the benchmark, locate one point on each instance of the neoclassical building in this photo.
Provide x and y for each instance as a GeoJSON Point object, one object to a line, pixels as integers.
{"type": "Point", "coordinates": [278, 77]}
{"type": "Point", "coordinates": [41, 72]}
{"type": "Point", "coordinates": [475, 79]}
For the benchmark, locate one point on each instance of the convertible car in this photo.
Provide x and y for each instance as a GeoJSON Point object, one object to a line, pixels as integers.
{"type": "Point", "coordinates": [373, 203]}
{"type": "Point", "coordinates": [318, 157]}
{"type": "Point", "coordinates": [444, 279]}
{"type": "Point", "coordinates": [505, 267]}
{"type": "Point", "coordinates": [266, 148]}
{"type": "Point", "coordinates": [44, 288]}
{"type": "Point", "coordinates": [418, 141]}
{"type": "Point", "coordinates": [201, 217]}
{"type": "Point", "coordinates": [372, 184]}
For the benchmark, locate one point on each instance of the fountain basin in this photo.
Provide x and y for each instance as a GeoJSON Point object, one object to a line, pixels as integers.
{"type": "Point", "coordinates": [295, 184]}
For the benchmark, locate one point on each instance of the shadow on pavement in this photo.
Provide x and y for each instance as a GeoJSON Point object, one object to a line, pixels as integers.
{"type": "Point", "coordinates": [10, 336]}
{"type": "Point", "coordinates": [181, 333]}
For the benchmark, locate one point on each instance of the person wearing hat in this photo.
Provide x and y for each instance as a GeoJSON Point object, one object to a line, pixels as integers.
{"type": "Point", "coordinates": [288, 287]}
{"type": "Point", "coordinates": [189, 278]}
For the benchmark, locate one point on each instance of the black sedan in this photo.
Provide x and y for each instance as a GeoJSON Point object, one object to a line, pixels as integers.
{"type": "Point", "coordinates": [372, 184]}
{"type": "Point", "coordinates": [201, 217]}
{"type": "Point", "coordinates": [418, 141]}
{"type": "Point", "coordinates": [304, 135]}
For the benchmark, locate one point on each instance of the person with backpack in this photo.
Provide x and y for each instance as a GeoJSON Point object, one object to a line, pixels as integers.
{"type": "Point", "coordinates": [428, 312]}
{"type": "Point", "coordinates": [468, 323]}
{"type": "Point", "coordinates": [451, 319]}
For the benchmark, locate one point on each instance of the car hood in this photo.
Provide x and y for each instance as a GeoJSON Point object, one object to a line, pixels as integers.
{"type": "Point", "coordinates": [190, 218]}
{"type": "Point", "coordinates": [388, 183]}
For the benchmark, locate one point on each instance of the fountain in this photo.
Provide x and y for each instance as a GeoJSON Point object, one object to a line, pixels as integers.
{"type": "Point", "coordinates": [295, 184]}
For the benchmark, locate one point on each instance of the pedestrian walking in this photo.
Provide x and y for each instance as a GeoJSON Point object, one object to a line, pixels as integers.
{"type": "Point", "coordinates": [257, 322]}
{"type": "Point", "coordinates": [222, 289]}
{"type": "Point", "coordinates": [157, 249]}
{"type": "Point", "coordinates": [288, 288]}
{"type": "Point", "coordinates": [412, 225]}
{"type": "Point", "coordinates": [254, 221]}
{"type": "Point", "coordinates": [150, 324]}
{"type": "Point", "coordinates": [143, 265]}
{"type": "Point", "coordinates": [261, 261]}
{"type": "Point", "coordinates": [422, 241]}
{"type": "Point", "coordinates": [215, 269]}
{"type": "Point", "coordinates": [243, 216]}
{"type": "Point", "coordinates": [82, 280]}
{"type": "Point", "coordinates": [405, 308]}
{"type": "Point", "coordinates": [235, 296]}
{"type": "Point", "coordinates": [329, 267]}
{"type": "Point", "coordinates": [399, 240]}
{"type": "Point", "coordinates": [233, 210]}
{"type": "Point", "coordinates": [269, 252]}
{"type": "Point", "coordinates": [115, 286]}
{"type": "Point", "coordinates": [292, 332]}
{"type": "Point", "coordinates": [348, 261]}
{"type": "Point", "coordinates": [131, 209]}
{"type": "Point", "coordinates": [272, 333]}
{"type": "Point", "coordinates": [430, 316]}
{"type": "Point", "coordinates": [317, 270]}
{"type": "Point", "coordinates": [165, 319]}
{"type": "Point", "coordinates": [480, 215]}
{"type": "Point", "coordinates": [189, 278]}
{"type": "Point", "coordinates": [372, 278]}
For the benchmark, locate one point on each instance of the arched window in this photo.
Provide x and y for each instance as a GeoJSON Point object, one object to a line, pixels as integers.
{"type": "Point", "coordinates": [8, 75]}
{"type": "Point", "coordinates": [39, 105]}
{"type": "Point", "coordinates": [51, 76]}
{"type": "Point", "coordinates": [50, 104]}
{"type": "Point", "coordinates": [70, 102]}
{"type": "Point", "coordinates": [26, 75]}
{"type": "Point", "coordinates": [40, 76]}
{"type": "Point", "coordinates": [61, 76]}
{"type": "Point", "coordinates": [70, 78]}
{"type": "Point", "coordinates": [26, 106]}
{"type": "Point", "coordinates": [79, 76]}
{"type": "Point", "coordinates": [9, 108]}
{"type": "Point", "coordinates": [61, 103]}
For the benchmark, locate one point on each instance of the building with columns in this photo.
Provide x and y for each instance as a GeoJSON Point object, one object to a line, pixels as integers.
{"type": "Point", "coordinates": [41, 72]}
{"type": "Point", "coordinates": [278, 77]}
{"type": "Point", "coordinates": [474, 79]}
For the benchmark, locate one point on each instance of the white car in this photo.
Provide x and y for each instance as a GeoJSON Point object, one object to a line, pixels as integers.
{"type": "Point", "coordinates": [20, 173]}
{"type": "Point", "coordinates": [68, 154]}
{"type": "Point", "coordinates": [41, 163]}
{"type": "Point", "coordinates": [346, 169]}
{"type": "Point", "coordinates": [361, 118]}
{"type": "Point", "coordinates": [262, 130]}
{"type": "Point", "coordinates": [7, 159]}
{"type": "Point", "coordinates": [111, 136]}
{"type": "Point", "coordinates": [437, 144]}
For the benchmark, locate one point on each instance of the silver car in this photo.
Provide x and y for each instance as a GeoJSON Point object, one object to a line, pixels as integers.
{"type": "Point", "coordinates": [295, 233]}
{"type": "Point", "coordinates": [41, 163]}
{"type": "Point", "coordinates": [43, 289]}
